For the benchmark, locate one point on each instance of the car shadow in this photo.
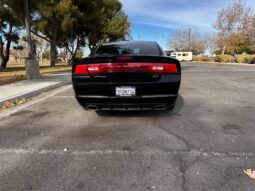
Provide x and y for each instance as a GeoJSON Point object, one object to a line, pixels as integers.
{"type": "Point", "coordinates": [176, 111]}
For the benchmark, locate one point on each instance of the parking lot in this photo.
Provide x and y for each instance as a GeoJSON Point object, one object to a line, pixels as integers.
{"type": "Point", "coordinates": [205, 143]}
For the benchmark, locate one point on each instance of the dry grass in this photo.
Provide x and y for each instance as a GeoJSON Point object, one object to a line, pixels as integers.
{"type": "Point", "coordinates": [15, 71]}
{"type": "Point", "coordinates": [10, 104]}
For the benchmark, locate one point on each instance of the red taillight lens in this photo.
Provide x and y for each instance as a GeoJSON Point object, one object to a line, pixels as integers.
{"type": "Point", "coordinates": [124, 58]}
{"type": "Point", "coordinates": [81, 69]}
{"type": "Point", "coordinates": [170, 68]}
{"type": "Point", "coordinates": [122, 66]}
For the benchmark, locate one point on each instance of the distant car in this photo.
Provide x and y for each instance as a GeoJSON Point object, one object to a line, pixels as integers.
{"type": "Point", "coordinates": [182, 56]}
{"type": "Point", "coordinates": [128, 75]}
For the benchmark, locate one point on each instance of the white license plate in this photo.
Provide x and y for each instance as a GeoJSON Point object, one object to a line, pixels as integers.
{"type": "Point", "coordinates": [125, 91]}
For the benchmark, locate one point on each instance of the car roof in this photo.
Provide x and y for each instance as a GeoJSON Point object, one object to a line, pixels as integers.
{"type": "Point", "coordinates": [130, 42]}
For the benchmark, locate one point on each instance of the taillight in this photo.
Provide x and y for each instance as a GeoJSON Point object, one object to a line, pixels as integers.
{"type": "Point", "coordinates": [124, 58]}
{"type": "Point", "coordinates": [170, 68]}
{"type": "Point", "coordinates": [163, 68]}
{"type": "Point", "coordinates": [158, 68]}
{"type": "Point", "coordinates": [81, 69]}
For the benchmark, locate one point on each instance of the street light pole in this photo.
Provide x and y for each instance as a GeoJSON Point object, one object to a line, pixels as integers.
{"type": "Point", "coordinates": [189, 39]}
{"type": "Point", "coordinates": [32, 66]}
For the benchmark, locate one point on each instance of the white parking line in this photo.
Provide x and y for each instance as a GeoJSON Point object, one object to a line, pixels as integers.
{"type": "Point", "coordinates": [193, 153]}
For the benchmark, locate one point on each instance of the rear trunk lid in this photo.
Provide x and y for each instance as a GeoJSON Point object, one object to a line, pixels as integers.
{"type": "Point", "coordinates": [126, 68]}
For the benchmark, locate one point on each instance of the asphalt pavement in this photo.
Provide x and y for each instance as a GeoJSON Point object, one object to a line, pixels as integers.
{"type": "Point", "coordinates": [204, 144]}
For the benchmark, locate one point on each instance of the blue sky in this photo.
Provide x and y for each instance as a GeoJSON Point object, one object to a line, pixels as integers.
{"type": "Point", "coordinates": [159, 19]}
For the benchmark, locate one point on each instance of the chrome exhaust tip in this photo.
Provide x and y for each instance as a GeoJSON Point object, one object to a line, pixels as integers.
{"type": "Point", "coordinates": [92, 107]}
{"type": "Point", "coordinates": [159, 107]}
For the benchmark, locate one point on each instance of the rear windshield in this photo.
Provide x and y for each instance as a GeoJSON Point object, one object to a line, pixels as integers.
{"type": "Point", "coordinates": [129, 48]}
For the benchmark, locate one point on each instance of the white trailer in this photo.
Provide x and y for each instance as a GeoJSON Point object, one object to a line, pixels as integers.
{"type": "Point", "coordinates": [182, 56]}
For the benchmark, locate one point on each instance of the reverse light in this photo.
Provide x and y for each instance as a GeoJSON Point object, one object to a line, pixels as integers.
{"type": "Point", "coordinates": [158, 68]}
{"type": "Point", "coordinates": [93, 69]}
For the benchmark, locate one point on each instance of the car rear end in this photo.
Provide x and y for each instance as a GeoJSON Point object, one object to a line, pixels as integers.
{"type": "Point", "coordinates": [127, 80]}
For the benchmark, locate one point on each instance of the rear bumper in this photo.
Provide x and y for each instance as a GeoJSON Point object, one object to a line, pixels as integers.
{"type": "Point", "coordinates": [159, 95]}
{"type": "Point", "coordinates": [136, 103]}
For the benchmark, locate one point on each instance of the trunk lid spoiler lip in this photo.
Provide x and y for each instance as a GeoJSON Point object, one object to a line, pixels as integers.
{"type": "Point", "coordinates": [135, 58]}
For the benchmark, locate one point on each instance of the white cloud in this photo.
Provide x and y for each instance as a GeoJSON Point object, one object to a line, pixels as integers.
{"type": "Point", "coordinates": [176, 14]}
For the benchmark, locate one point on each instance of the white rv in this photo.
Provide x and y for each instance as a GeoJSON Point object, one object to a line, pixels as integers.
{"type": "Point", "coordinates": [182, 56]}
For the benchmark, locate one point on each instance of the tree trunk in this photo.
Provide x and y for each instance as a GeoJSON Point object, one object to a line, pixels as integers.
{"type": "Point", "coordinates": [73, 52]}
{"type": "Point", "coordinates": [41, 57]}
{"type": "Point", "coordinates": [53, 54]}
{"type": "Point", "coordinates": [8, 44]}
{"type": "Point", "coordinates": [223, 49]}
{"type": "Point", "coordinates": [71, 61]}
{"type": "Point", "coordinates": [4, 57]}
{"type": "Point", "coordinates": [91, 47]}
{"type": "Point", "coordinates": [53, 44]}
{"type": "Point", "coordinates": [3, 63]}
{"type": "Point", "coordinates": [65, 55]}
{"type": "Point", "coordinates": [225, 45]}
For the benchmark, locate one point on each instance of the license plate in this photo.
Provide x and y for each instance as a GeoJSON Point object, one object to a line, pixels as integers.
{"type": "Point", "coordinates": [125, 91]}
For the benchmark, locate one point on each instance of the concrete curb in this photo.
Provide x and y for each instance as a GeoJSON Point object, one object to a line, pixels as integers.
{"type": "Point", "coordinates": [220, 63]}
{"type": "Point", "coordinates": [39, 98]}
{"type": "Point", "coordinates": [37, 92]}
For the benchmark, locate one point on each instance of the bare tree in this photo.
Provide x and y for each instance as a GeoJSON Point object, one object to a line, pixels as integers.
{"type": "Point", "coordinates": [233, 19]}
{"type": "Point", "coordinates": [211, 42]}
{"type": "Point", "coordinates": [187, 40]}
{"type": "Point", "coordinates": [72, 47]}
{"type": "Point", "coordinates": [41, 46]}
{"type": "Point", "coordinates": [19, 50]}
{"type": "Point", "coordinates": [252, 34]}
{"type": "Point", "coordinates": [180, 40]}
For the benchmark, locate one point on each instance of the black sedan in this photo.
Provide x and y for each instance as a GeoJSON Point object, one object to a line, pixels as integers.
{"type": "Point", "coordinates": [128, 75]}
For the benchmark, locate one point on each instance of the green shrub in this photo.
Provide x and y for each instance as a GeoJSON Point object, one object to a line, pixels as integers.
{"type": "Point", "coordinates": [211, 58]}
{"type": "Point", "coordinates": [243, 58]}
{"type": "Point", "coordinates": [200, 59]}
{"type": "Point", "coordinates": [224, 58]}
{"type": "Point", "coordinates": [250, 60]}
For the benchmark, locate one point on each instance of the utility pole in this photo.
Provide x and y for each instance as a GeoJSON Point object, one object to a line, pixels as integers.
{"type": "Point", "coordinates": [32, 66]}
{"type": "Point", "coordinates": [189, 39]}
{"type": "Point", "coordinates": [163, 41]}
